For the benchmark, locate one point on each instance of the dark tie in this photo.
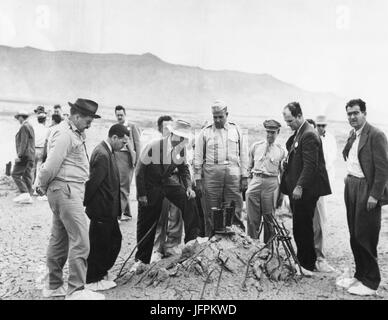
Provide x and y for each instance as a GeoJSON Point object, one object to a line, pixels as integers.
{"type": "Point", "coordinates": [348, 145]}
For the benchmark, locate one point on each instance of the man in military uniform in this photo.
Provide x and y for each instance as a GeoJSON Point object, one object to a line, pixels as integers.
{"type": "Point", "coordinates": [221, 163]}
{"type": "Point", "coordinates": [264, 170]}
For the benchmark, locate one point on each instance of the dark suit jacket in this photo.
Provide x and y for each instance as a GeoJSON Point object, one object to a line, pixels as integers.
{"type": "Point", "coordinates": [102, 190]}
{"type": "Point", "coordinates": [306, 164]}
{"type": "Point", "coordinates": [25, 142]}
{"type": "Point", "coordinates": [373, 158]}
{"type": "Point", "coordinates": [152, 174]}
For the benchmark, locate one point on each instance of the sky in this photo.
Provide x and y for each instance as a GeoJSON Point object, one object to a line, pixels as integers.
{"type": "Point", "coordinates": [338, 46]}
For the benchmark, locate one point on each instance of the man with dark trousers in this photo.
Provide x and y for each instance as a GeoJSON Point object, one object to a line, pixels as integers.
{"type": "Point", "coordinates": [102, 201]}
{"type": "Point", "coordinates": [366, 156]}
{"type": "Point", "coordinates": [24, 163]}
{"type": "Point", "coordinates": [154, 182]}
{"type": "Point", "coordinates": [304, 180]}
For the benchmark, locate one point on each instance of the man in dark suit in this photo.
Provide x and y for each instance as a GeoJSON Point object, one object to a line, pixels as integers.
{"type": "Point", "coordinates": [24, 163]}
{"type": "Point", "coordinates": [304, 180]}
{"type": "Point", "coordinates": [154, 182]}
{"type": "Point", "coordinates": [102, 201]}
{"type": "Point", "coordinates": [366, 156]}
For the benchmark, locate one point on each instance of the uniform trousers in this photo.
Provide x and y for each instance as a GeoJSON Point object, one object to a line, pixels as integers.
{"type": "Point", "coordinates": [222, 185]}
{"type": "Point", "coordinates": [260, 200]}
{"type": "Point", "coordinates": [69, 235]}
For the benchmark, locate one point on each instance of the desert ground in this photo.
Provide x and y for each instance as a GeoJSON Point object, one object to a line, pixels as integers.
{"type": "Point", "coordinates": [25, 229]}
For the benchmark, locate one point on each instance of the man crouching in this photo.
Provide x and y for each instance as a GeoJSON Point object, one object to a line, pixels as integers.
{"type": "Point", "coordinates": [155, 181]}
{"type": "Point", "coordinates": [102, 202]}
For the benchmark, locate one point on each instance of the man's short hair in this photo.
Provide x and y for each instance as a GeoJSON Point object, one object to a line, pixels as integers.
{"type": "Point", "coordinates": [118, 108]}
{"type": "Point", "coordinates": [118, 130]}
{"type": "Point", "coordinates": [356, 102]}
{"type": "Point", "coordinates": [56, 118]}
{"type": "Point", "coordinates": [161, 119]}
{"type": "Point", "coordinates": [57, 106]}
{"type": "Point", "coordinates": [294, 108]}
{"type": "Point", "coordinates": [312, 122]}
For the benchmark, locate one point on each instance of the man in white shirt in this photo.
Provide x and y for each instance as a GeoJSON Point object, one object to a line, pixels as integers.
{"type": "Point", "coordinates": [41, 132]}
{"type": "Point", "coordinates": [366, 156]}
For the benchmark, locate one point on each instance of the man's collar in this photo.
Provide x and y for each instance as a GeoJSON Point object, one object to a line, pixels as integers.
{"type": "Point", "coordinates": [358, 132]}
{"type": "Point", "coordinates": [108, 144]}
{"type": "Point", "coordinates": [301, 126]}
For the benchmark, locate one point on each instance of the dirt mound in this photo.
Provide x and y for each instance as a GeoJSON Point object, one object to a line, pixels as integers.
{"type": "Point", "coordinates": [214, 268]}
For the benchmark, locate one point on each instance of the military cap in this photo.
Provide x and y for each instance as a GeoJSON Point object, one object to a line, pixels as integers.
{"type": "Point", "coordinates": [271, 125]}
{"type": "Point", "coordinates": [39, 109]}
{"type": "Point", "coordinates": [219, 105]}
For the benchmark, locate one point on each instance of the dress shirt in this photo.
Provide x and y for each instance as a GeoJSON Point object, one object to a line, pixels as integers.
{"type": "Point", "coordinates": [353, 164]}
{"type": "Point", "coordinates": [67, 159]}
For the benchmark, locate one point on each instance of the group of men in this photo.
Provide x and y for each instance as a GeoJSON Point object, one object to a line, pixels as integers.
{"type": "Point", "coordinates": [31, 146]}
{"type": "Point", "coordinates": [171, 185]}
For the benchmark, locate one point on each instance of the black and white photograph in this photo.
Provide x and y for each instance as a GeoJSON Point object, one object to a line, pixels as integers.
{"type": "Point", "coordinates": [193, 151]}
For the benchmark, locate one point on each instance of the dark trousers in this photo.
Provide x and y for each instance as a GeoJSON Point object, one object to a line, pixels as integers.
{"type": "Point", "coordinates": [302, 225]}
{"type": "Point", "coordinates": [364, 228]}
{"type": "Point", "coordinates": [22, 175]}
{"type": "Point", "coordinates": [149, 214]}
{"type": "Point", "coordinates": [105, 244]}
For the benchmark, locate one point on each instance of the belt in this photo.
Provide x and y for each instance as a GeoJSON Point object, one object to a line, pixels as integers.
{"type": "Point", "coordinates": [352, 176]}
{"type": "Point", "coordinates": [263, 175]}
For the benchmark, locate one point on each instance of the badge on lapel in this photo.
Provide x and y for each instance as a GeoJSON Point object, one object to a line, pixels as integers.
{"type": "Point", "coordinates": [296, 145]}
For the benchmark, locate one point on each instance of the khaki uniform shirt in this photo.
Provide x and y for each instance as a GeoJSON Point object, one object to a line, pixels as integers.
{"type": "Point", "coordinates": [266, 159]}
{"type": "Point", "coordinates": [221, 146]}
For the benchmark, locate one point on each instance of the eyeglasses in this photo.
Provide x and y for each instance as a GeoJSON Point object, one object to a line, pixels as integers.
{"type": "Point", "coordinates": [321, 125]}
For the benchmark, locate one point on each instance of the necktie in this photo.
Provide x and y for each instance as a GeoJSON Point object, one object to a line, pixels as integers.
{"type": "Point", "coordinates": [348, 145]}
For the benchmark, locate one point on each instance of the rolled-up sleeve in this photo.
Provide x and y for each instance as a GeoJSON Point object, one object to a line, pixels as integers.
{"type": "Point", "coordinates": [61, 144]}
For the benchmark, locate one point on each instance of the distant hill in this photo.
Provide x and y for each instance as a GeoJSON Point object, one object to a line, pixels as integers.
{"type": "Point", "coordinates": [147, 82]}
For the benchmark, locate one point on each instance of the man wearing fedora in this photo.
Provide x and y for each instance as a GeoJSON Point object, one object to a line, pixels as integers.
{"type": "Point", "coordinates": [126, 159]}
{"type": "Point", "coordinates": [304, 180]}
{"type": "Point", "coordinates": [102, 202]}
{"type": "Point", "coordinates": [221, 164]}
{"type": "Point", "coordinates": [62, 177]}
{"type": "Point", "coordinates": [24, 163]}
{"type": "Point", "coordinates": [154, 182]}
{"type": "Point", "coordinates": [264, 169]}
{"type": "Point", "coordinates": [329, 147]}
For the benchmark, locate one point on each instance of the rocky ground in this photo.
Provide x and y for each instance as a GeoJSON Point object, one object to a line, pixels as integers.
{"type": "Point", "coordinates": [24, 234]}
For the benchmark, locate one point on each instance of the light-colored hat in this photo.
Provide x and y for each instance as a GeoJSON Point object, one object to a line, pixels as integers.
{"type": "Point", "coordinates": [219, 105]}
{"type": "Point", "coordinates": [180, 128]}
{"type": "Point", "coordinates": [321, 120]}
{"type": "Point", "coordinates": [24, 114]}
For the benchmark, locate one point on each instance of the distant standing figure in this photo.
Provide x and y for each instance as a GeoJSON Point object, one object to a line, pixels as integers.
{"type": "Point", "coordinates": [329, 147]}
{"type": "Point", "coordinates": [24, 163]}
{"type": "Point", "coordinates": [366, 156]}
{"type": "Point", "coordinates": [102, 201]}
{"type": "Point", "coordinates": [41, 131]}
{"type": "Point", "coordinates": [127, 159]}
{"type": "Point", "coordinates": [304, 181]}
{"type": "Point", "coordinates": [264, 169]}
